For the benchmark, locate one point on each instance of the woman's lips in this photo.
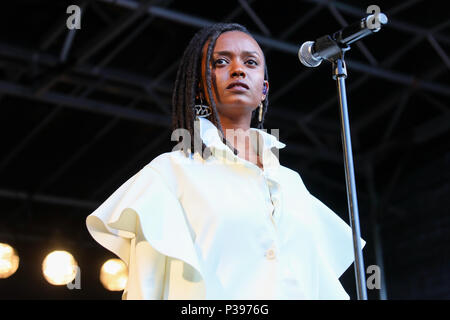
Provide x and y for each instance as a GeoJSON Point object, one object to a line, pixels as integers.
{"type": "Point", "coordinates": [237, 88]}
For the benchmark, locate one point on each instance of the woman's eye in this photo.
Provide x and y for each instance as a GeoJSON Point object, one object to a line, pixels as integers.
{"type": "Point", "coordinates": [252, 62]}
{"type": "Point", "coordinates": [220, 62]}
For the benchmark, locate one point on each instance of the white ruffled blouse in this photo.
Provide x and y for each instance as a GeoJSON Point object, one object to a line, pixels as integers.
{"type": "Point", "coordinates": [190, 228]}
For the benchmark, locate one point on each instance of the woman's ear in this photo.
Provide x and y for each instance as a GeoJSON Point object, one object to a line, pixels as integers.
{"type": "Point", "coordinates": [265, 90]}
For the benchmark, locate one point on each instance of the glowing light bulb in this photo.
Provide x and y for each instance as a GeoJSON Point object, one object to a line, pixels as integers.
{"type": "Point", "coordinates": [9, 261]}
{"type": "Point", "coordinates": [59, 268]}
{"type": "Point", "coordinates": [114, 275]}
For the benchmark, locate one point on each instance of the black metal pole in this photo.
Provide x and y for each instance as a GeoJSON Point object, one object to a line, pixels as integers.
{"type": "Point", "coordinates": [339, 74]}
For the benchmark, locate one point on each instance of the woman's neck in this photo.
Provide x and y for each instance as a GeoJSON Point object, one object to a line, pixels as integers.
{"type": "Point", "coordinates": [239, 135]}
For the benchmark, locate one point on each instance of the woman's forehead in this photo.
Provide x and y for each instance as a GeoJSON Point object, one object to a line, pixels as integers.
{"type": "Point", "coordinates": [236, 41]}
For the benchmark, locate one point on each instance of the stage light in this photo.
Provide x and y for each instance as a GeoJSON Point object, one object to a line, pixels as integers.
{"type": "Point", "coordinates": [59, 268]}
{"type": "Point", "coordinates": [9, 261]}
{"type": "Point", "coordinates": [114, 275]}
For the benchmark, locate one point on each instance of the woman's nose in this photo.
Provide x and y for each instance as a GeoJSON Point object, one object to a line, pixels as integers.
{"type": "Point", "coordinates": [237, 70]}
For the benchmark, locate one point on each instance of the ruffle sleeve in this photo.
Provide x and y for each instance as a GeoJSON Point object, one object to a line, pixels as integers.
{"type": "Point", "coordinates": [144, 224]}
{"type": "Point", "coordinates": [335, 249]}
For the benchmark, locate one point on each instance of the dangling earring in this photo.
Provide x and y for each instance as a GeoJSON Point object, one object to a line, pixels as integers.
{"type": "Point", "coordinates": [201, 110]}
{"type": "Point", "coordinates": [260, 111]}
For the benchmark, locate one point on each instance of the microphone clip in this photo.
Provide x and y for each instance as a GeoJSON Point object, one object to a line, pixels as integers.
{"type": "Point", "coordinates": [329, 48]}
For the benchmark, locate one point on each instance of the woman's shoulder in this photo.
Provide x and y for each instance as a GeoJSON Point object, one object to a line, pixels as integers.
{"type": "Point", "coordinates": [168, 164]}
{"type": "Point", "coordinates": [161, 170]}
{"type": "Point", "coordinates": [291, 177]}
{"type": "Point", "coordinates": [289, 173]}
{"type": "Point", "coordinates": [167, 160]}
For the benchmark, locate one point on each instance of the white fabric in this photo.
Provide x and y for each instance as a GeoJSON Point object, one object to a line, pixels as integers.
{"type": "Point", "coordinates": [190, 228]}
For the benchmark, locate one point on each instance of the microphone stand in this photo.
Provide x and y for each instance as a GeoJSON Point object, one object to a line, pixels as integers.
{"type": "Point", "coordinates": [340, 74]}
{"type": "Point", "coordinates": [332, 49]}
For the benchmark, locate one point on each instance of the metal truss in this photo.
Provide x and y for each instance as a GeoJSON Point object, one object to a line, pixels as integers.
{"type": "Point", "coordinates": [63, 69]}
{"type": "Point", "coordinates": [75, 68]}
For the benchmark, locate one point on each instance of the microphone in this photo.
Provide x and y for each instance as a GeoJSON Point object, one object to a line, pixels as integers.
{"type": "Point", "coordinates": [312, 53]}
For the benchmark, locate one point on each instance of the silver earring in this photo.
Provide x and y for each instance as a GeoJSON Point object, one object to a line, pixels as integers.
{"type": "Point", "coordinates": [201, 110]}
{"type": "Point", "coordinates": [260, 111]}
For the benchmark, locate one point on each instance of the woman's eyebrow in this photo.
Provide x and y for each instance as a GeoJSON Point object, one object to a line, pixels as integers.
{"type": "Point", "coordinates": [229, 53]}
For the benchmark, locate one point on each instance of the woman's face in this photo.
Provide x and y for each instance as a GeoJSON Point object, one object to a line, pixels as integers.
{"type": "Point", "coordinates": [237, 73]}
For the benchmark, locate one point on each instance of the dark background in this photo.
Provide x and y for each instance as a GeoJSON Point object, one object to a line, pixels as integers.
{"type": "Point", "coordinates": [83, 111]}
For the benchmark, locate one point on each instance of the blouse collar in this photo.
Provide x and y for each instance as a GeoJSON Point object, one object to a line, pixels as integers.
{"type": "Point", "coordinates": [211, 138]}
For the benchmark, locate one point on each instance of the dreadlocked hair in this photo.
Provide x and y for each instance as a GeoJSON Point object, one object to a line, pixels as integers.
{"type": "Point", "coordinates": [186, 87]}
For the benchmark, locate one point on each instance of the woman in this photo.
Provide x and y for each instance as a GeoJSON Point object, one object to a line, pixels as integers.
{"type": "Point", "coordinates": [225, 221]}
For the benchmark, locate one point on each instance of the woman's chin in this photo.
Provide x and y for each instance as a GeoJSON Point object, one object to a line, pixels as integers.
{"type": "Point", "coordinates": [238, 104]}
